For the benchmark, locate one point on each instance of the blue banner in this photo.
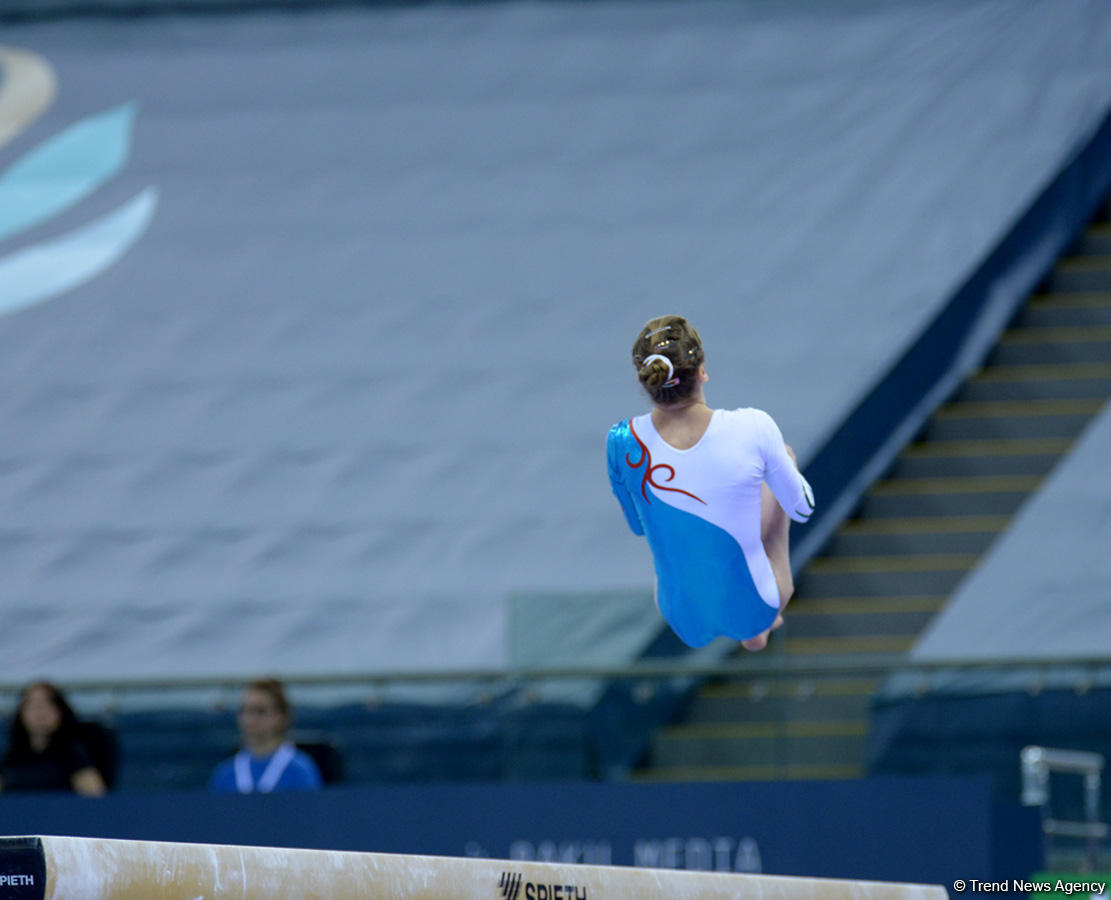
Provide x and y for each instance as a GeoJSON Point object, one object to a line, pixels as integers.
{"type": "Point", "coordinates": [932, 830]}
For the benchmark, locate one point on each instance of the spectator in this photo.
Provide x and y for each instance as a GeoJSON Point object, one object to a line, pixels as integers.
{"type": "Point", "coordinates": [45, 749]}
{"type": "Point", "coordinates": [268, 761]}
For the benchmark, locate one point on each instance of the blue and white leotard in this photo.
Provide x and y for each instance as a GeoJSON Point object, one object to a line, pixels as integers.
{"type": "Point", "coordinates": [700, 510]}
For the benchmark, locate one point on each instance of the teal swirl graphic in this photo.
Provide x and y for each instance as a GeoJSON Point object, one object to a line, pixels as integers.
{"type": "Point", "coordinates": [54, 177]}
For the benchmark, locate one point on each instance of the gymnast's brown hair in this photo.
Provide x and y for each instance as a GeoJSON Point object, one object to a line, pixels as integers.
{"type": "Point", "coordinates": [667, 354]}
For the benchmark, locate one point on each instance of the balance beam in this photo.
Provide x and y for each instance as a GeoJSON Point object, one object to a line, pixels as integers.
{"type": "Point", "coordinates": [69, 868]}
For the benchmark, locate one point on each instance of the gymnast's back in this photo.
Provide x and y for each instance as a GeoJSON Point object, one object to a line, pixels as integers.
{"type": "Point", "coordinates": [699, 509]}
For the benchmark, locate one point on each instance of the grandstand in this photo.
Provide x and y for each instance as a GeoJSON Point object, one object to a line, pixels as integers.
{"type": "Point", "coordinates": [313, 320]}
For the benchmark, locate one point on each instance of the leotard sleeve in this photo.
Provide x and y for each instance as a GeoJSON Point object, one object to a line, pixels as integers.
{"type": "Point", "coordinates": [782, 475]}
{"type": "Point", "coordinates": [615, 441]}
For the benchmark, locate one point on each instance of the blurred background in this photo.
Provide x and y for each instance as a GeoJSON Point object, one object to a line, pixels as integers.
{"type": "Point", "coordinates": [313, 319]}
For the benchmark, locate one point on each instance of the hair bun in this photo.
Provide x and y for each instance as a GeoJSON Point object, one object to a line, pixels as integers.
{"type": "Point", "coordinates": [667, 353]}
{"type": "Point", "coordinates": [656, 371]}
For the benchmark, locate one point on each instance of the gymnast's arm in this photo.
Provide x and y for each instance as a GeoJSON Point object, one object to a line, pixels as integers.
{"type": "Point", "coordinates": [617, 485]}
{"type": "Point", "coordinates": [782, 475]}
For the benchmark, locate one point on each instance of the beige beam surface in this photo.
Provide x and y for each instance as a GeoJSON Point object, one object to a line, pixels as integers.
{"type": "Point", "coordinates": [101, 869]}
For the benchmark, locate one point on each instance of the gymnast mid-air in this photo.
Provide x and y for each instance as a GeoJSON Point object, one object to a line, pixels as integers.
{"type": "Point", "coordinates": [714, 492]}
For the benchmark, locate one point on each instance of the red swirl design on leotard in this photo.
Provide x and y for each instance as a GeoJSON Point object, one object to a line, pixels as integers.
{"type": "Point", "coordinates": [650, 471]}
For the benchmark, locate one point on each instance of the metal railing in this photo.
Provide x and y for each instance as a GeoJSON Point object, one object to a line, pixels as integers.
{"type": "Point", "coordinates": [1034, 675]}
{"type": "Point", "coordinates": [1037, 764]}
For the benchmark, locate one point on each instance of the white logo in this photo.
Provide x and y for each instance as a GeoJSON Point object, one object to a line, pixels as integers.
{"type": "Point", "coordinates": [54, 177]}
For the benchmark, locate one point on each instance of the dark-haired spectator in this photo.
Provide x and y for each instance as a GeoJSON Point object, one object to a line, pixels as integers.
{"type": "Point", "coordinates": [268, 761]}
{"type": "Point", "coordinates": [45, 748]}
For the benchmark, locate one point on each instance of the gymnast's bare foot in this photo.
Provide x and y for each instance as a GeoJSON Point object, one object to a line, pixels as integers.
{"type": "Point", "coordinates": [761, 640]}
{"type": "Point", "coordinates": [757, 643]}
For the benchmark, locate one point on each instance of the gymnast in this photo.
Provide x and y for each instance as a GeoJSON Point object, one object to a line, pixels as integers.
{"type": "Point", "coordinates": [713, 490]}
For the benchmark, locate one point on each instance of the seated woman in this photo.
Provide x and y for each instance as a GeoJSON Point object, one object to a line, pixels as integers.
{"type": "Point", "coordinates": [45, 750]}
{"type": "Point", "coordinates": [268, 760]}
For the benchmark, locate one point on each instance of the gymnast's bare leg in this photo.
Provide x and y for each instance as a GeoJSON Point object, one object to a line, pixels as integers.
{"type": "Point", "coordinates": [775, 528]}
